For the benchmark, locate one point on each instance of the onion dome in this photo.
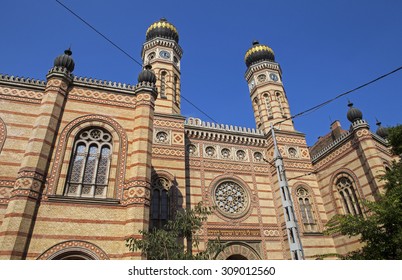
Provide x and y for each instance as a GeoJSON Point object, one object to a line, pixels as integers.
{"type": "Point", "coordinates": [65, 60]}
{"type": "Point", "coordinates": [163, 29]}
{"type": "Point", "coordinates": [258, 53]}
{"type": "Point", "coordinates": [381, 131]}
{"type": "Point", "coordinates": [147, 75]}
{"type": "Point", "coordinates": [353, 114]}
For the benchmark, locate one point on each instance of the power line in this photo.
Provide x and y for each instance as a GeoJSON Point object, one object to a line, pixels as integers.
{"type": "Point", "coordinates": [310, 110]}
{"type": "Point", "coordinates": [339, 96]}
{"type": "Point", "coordinates": [99, 33]}
{"type": "Point", "coordinates": [128, 55]}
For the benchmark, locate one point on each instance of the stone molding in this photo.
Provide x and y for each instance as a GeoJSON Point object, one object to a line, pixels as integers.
{"type": "Point", "coordinates": [197, 129]}
{"type": "Point", "coordinates": [91, 251]}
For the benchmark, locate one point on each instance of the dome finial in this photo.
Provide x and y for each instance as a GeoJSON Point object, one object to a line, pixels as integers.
{"type": "Point", "coordinates": [65, 60]}
{"type": "Point", "coordinates": [353, 114]}
{"type": "Point", "coordinates": [68, 51]}
{"type": "Point", "coordinates": [147, 75]}
{"type": "Point", "coordinates": [381, 131]}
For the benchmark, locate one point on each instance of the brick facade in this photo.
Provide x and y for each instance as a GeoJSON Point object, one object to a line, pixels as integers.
{"type": "Point", "coordinates": [39, 125]}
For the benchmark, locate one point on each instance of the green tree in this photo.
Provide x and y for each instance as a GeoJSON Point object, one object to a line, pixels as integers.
{"type": "Point", "coordinates": [380, 230]}
{"type": "Point", "coordinates": [167, 243]}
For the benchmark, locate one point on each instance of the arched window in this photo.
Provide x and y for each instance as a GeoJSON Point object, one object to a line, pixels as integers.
{"type": "Point", "coordinates": [279, 99]}
{"type": "Point", "coordinates": [257, 111]}
{"type": "Point", "coordinates": [90, 162]}
{"type": "Point", "coordinates": [348, 196]}
{"type": "Point", "coordinates": [163, 84]}
{"type": "Point", "coordinates": [175, 89]}
{"type": "Point", "coordinates": [268, 105]}
{"type": "Point", "coordinates": [160, 202]}
{"type": "Point", "coordinates": [3, 133]}
{"type": "Point", "coordinates": [306, 209]}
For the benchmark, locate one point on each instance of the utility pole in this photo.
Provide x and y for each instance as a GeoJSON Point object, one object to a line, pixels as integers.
{"type": "Point", "coordinates": [295, 245]}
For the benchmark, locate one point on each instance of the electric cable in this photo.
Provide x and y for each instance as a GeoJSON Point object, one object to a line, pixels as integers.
{"type": "Point", "coordinates": [129, 56]}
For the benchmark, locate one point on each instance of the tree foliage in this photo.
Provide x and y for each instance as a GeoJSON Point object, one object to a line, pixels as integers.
{"type": "Point", "coordinates": [167, 243]}
{"type": "Point", "coordinates": [380, 230]}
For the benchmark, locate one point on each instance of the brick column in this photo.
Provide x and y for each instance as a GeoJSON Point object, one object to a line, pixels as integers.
{"type": "Point", "coordinates": [18, 223]}
{"type": "Point", "coordinates": [370, 160]}
{"type": "Point", "coordinates": [136, 194]}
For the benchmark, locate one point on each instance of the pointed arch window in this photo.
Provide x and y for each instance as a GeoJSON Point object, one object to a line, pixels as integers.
{"type": "Point", "coordinates": [268, 105]}
{"type": "Point", "coordinates": [348, 196]}
{"type": "Point", "coordinates": [163, 84]}
{"type": "Point", "coordinates": [304, 200]}
{"type": "Point", "coordinates": [280, 103]}
{"type": "Point", "coordinates": [160, 202]}
{"type": "Point", "coordinates": [90, 163]}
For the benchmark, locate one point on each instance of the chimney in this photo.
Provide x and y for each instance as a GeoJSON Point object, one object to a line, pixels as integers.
{"type": "Point", "coordinates": [336, 130]}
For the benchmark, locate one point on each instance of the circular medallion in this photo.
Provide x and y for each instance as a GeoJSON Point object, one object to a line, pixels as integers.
{"type": "Point", "coordinates": [257, 156]}
{"type": "Point", "coordinates": [192, 149]}
{"type": "Point", "coordinates": [241, 155]}
{"type": "Point", "coordinates": [225, 153]}
{"type": "Point", "coordinates": [261, 78]}
{"type": "Point", "coordinates": [210, 151]}
{"type": "Point", "coordinates": [231, 199]}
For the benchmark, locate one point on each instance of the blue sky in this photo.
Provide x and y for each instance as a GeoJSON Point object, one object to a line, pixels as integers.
{"type": "Point", "coordinates": [324, 48]}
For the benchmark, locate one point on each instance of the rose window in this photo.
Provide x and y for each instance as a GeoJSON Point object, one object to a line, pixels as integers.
{"type": "Point", "coordinates": [231, 198]}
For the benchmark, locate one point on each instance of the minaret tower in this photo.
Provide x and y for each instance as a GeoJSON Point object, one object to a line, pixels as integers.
{"type": "Point", "coordinates": [162, 51]}
{"type": "Point", "coordinates": [264, 78]}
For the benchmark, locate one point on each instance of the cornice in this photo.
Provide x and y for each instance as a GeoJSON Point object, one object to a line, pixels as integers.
{"type": "Point", "coordinates": [162, 42]}
{"type": "Point", "coordinates": [104, 85]}
{"type": "Point", "coordinates": [260, 66]}
{"type": "Point", "coordinates": [195, 128]}
{"type": "Point", "coordinates": [22, 82]}
{"type": "Point", "coordinates": [325, 151]}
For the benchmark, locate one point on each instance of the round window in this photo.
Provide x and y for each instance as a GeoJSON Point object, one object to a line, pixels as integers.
{"type": "Point", "coordinates": [231, 199]}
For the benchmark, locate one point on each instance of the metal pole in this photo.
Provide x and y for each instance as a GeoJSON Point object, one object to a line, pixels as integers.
{"type": "Point", "coordinates": [295, 245]}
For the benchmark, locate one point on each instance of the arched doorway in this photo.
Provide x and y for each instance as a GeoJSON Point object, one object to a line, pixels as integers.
{"type": "Point", "coordinates": [73, 255]}
{"type": "Point", "coordinates": [236, 257]}
{"type": "Point", "coordinates": [74, 250]}
{"type": "Point", "coordinates": [238, 251]}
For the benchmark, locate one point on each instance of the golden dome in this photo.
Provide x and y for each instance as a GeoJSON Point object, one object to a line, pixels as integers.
{"type": "Point", "coordinates": [257, 53]}
{"type": "Point", "coordinates": [162, 28]}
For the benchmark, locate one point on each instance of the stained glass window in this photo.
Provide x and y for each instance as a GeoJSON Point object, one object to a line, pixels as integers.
{"type": "Point", "coordinates": [90, 162]}
{"type": "Point", "coordinates": [160, 202]}
{"type": "Point", "coordinates": [348, 196]}
{"type": "Point", "coordinates": [231, 198]}
{"type": "Point", "coordinates": [306, 209]}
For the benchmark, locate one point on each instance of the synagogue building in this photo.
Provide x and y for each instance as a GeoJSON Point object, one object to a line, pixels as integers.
{"type": "Point", "coordinates": [86, 163]}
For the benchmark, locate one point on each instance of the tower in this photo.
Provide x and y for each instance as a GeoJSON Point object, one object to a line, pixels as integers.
{"type": "Point", "coordinates": [264, 78]}
{"type": "Point", "coordinates": [162, 50]}
{"type": "Point", "coordinates": [16, 229]}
